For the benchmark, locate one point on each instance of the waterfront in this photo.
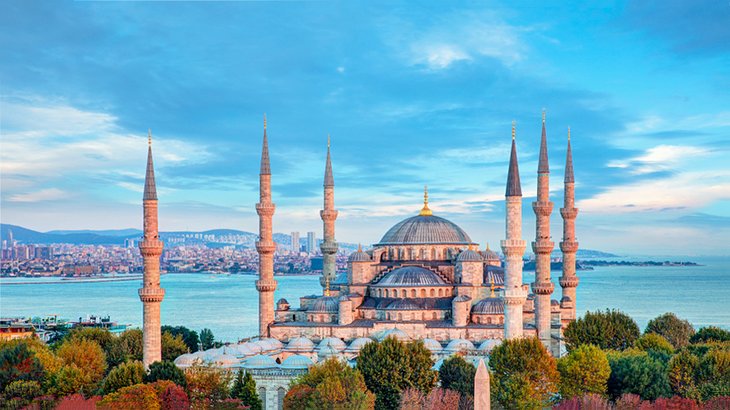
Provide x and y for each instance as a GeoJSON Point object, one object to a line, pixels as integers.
{"type": "Point", "coordinates": [228, 304]}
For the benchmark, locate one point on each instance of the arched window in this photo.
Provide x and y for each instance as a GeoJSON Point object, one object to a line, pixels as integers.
{"type": "Point", "coordinates": [501, 320]}
{"type": "Point", "coordinates": [423, 293]}
{"type": "Point", "coordinates": [262, 396]}
{"type": "Point", "coordinates": [281, 393]}
{"type": "Point", "coordinates": [441, 292]}
{"type": "Point", "coordinates": [387, 316]}
{"type": "Point", "coordinates": [400, 317]}
{"type": "Point", "coordinates": [433, 292]}
{"type": "Point", "coordinates": [433, 253]}
{"type": "Point", "coordinates": [413, 293]}
{"type": "Point", "coordinates": [386, 293]}
{"type": "Point", "coordinates": [434, 316]}
{"type": "Point", "coordinates": [489, 320]}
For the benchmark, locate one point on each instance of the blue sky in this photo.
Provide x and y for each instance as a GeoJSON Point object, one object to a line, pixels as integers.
{"type": "Point", "coordinates": [412, 94]}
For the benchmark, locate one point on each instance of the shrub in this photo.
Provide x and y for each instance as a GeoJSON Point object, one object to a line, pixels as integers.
{"type": "Point", "coordinates": [126, 374]}
{"type": "Point", "coordinates": [165, 371]}
{"type": "Point", "coordinates": [682, 368]}
{"type": "Point", "coordinates": [17, 362]}
{"type": "Point", "coordinates": [139, 396]}
{"type": "Point", "coordinates": [332, 384]}
{"type": "Point", "coordinates": [190, 337]}
{"type": "Point", "coordinates": [172, 346]}
{"type": "Point", "coordinates": [608, 330]}
{"type": "Point", "coordinates": [85, 354]}
{"type": "Point", "coordinates": [20, 393]}
{"type": "Point", "coordinates": [710, 333]}
{"type": "Point", "coordinates": [458, 374]}
{"type": "Point", "coordinates": [654, 341]}
{"type": "Point", "coordinates": [70, 379]}
{"type": "Point", "coordinates": [590, 401]}
{"type": "Point", "coordinates": [583, 371]}
{"type": "Point", "coordinates": [675, 330]}
{"type": "Point", "coordinates": [675, 403]}
{"type": "Point", "coordinates": [442, 399]}
{"type": "Point", "coordinates": [638, 373]}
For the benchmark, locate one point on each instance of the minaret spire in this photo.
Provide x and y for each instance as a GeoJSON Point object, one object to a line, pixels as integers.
{"type": "Point", "coordinates": [329, 215]}
{"type": "Point", "coordinates": [265, 246]}
{"type": "Point", "coordinates": [151, 294]}
{"type": "Point", "coordinates": [569, 244]}
{"type": "Point", "coordinates": [514, 188]}
{"type": "Point", "coordinates": [543, 246]}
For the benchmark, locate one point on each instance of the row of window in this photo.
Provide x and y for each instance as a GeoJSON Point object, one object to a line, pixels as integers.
{"type": "Point", "coordinates": [414, 293]}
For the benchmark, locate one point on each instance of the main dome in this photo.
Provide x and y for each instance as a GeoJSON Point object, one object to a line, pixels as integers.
{"type": "Point", "coordinates": [425, 230]}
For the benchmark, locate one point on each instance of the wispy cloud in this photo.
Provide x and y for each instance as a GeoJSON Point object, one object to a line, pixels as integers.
{"type": "Point", "coordinates": [49, 194]}
{"type": "Point", "coordinates": [658, 159]}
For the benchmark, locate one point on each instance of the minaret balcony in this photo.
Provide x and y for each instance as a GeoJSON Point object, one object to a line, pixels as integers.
{"type": "Point", "coordinates": [328, 247]}
{"type": "Point", "coordinates": [513, 246]}
{"type": "Point", "coordinates": [543, 288]}
{"type": "Point", "coordinates": [543, 246]}
{"type": "Point", "coordinates": [265, 247]}
{"type": "Point", "coordinates": [543, 208]}
{"type": "Point", "coordinates": [266, 285]}
{"type": "Point", "coordinates": [151, 294]}
{"type": "Point", "coordinates": [569, 246]}
{"type": "Point", "coordinates": [265, 208]}
{"type": "Point", "coordinates": [569, 281]}
{"type": "Point", "coordinates": [150, 247]}
{"type": "Point", "coordinates": [569, 213]}
{"type": "Point", "coordinates": [328, 214]}
{"type": "Point", "coordinates": [515, 297]}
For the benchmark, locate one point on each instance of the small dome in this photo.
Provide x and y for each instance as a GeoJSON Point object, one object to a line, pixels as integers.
{"type": "Point", "coordinates": [186, 360]}
{"type": "Point", "coordinates": [490, 255]}
{"type": "Point", "coordinates": [358, 344]}
{"type": "Point", "coordinates": [433, 345]}
{"type": "Point", "coordinates": [459, 345]}
{"type": "Point", "coordinates": [395, 333]}
{"type": "Point", "coordinates": [554, 303]}
{"type": "Point", "coordinates": [411, 276]}
{"type": "Point", "coordinates": [260, 361]}
{"type": "Point", "coordinates": [332, 342]}
{"type": "Point", "coordinates": [359, 256]}
{"type": "Point", "coordinates": [297, 362]}
{"type": "Point", "coordinates": [273, 343]}
{"type": "Point", "coordinates": [254, 347]}
{"type": "Point", "coordinates": [225, 360]}
{"type": "Point", "coordinates": [325, 304]}
{"type": "Point", "coordinates": [488, 306]}
{"type": "Point", "coordinates": [210, 354]}
{"type": "Point", "coordinates": [489, 344]}
{"type": "Point", "coordinates": [462, 298]}
{"type": "Point", "coordinates": [326, 352]}
{"type": "Point", "coordinates": [229, 350]}
{"type": "Point", "coordinates": [300, 344]}
{"type": "Point", "coordinates": [244, 349]}
{"type": "Point", "coordinates": [469, 256]}
{"type": "Point", "coordinates": [402, 304]}
{"type": "Point", "coordinates": [266, 345]}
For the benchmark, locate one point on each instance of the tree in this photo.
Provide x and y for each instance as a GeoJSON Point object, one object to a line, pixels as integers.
{"type": "Point", "coordinates": [101, 336]}
{"type": "Point", "coordinates": [583, 371]}
{"type": "Point", "coordinates": [639, 373]}
{"type": "Point", "coordinates": [244, 388]}
{"type": "Point", "coordinates": [190, 337]}
{"type": "Point", "coordinates": [126, 374]}
{"type": "Point", "coordinates": [710, 333]}
{"type": "Point", "coordinates": [206, 385]}
{"type": "Point", "coordinates": [682, 368]}
{"type": "Point", "coordinates": [655, 342]}
{"type": "Point", "coordinates": [20, 393]}
{"type": "Point", "coordinates": [391, 366]}
{"type": "Point", "coordinates": [330, 385]}
{"type": "Point", "coordinates": [675, 330]}
{"type": "Point", "coordinates": [524, 374]}
{"type": "Point", "coordinates": [457, 374]}
{"type": "Point", "coordinates": [713, 374]}
{"type": "Point", "coordinates": [207, 340]}
{"type": "Point", "coordinates": [165, 370]}
{"type": "Point", "coordinates": [172, 346]}
{"type": "Point", "coordinates": [442, 399]}
{"type": "Point", "coordinates": [17, 362]}
{"type": "Point", "coordinates": [171, 396]}
{"type": "Point", "coordinates": [127, 346]}
{"type": "Point", "coordinates": [86, 354]}
{"type": "Point", "coordinates": [611, 329]}
{"type": "Point", "coordinates": [590, 401]}
{"type": "Point", "coordinates": [139, 396]}
{"type": "Point", "coordinates": [71, 379]}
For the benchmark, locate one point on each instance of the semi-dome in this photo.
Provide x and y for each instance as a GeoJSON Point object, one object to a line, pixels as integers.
{"type": "Point", "coordinates": [360, 256]}
{"type": "Point", "coordinates": [459, 345]}
{"type": "Point", "coordinates": [425, 230]}
{"type": "Point", "coordinates": [325, 304]}
{"type": "Point", "coordinates": [469, 256]}
{"type": "Point", "coordinates": [333, 342]}
{"type": "Point", "coordinates": [260, 361]}
{"type": "Point", "coordinates": [411, 276]}
{"type": "Point", "coordinates": [297, 361]}
{"type": "Point", "coordinates": [488, 306]}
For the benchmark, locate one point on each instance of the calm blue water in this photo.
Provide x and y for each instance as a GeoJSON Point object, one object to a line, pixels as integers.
{"type": "Point", "coordinates": [229, 305]}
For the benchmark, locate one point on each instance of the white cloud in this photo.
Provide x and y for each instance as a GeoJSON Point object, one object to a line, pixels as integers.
{"type": "Point", "coordinates": [659, 158]}
{"type": "Point", "coordinates": [50, 194]}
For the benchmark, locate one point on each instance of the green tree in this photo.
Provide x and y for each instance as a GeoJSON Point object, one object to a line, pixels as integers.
{"type": "Point", "coordinates": [17, 362]}
{"type": "Point", "coordinates": [20, 393]}
{"type": "Point", "coordinates": [713, 374]}
{"type": "Point", "coordinates": [524, 374]}
{"type": "Point", "coordinates": [710, 333]}
{"type": "Point", "coordinates": [126, 374]}
{"type": "Point", "coordinates": [244, 388]}
{"type": "Point", "coordinates": [190, 337]}
{"type": "Point", "coordinates": [639, 373]}
{"type": "Point", "coordinates": [611, 329]}
{"type": "Point", "coordinates": [71, 379]}
{"type": "Point", "coordinates": [681, 373]}
{"type": "Point", "coordinates": [457, 374]}
{"type": "Point", "coordinates": [101, 336]}
{"type": "Point", "coordinates": [165, 371]}
{"type": "Point", "coordinates": [207, 340]}
{"type": "Point", "coordinates": [584, 370]}
{"type": "Point", "coordinates": [330, 385]}
{"type": "Point", "coordinates": [677, 331]}
{"type": "Point", "coordinates": [172, 346]}
{"type": "Point", "coordinates": [655, 342]}
{"type": "Point", "coordinates": [126, 347]}
{"type": "Point", "coordinates": [391, 366]}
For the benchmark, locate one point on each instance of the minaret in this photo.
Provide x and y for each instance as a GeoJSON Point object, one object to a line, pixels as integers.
{"type": "Point", "coordinates": [513, 248]}
{"type": "Point", "coordinates": [151, 294]}
{"type": "Point", "coordinates": [569, 246]}
{"type": "Point", "coordinates": [328, 214]}
{"type": "Point", "coordinates": [266, 285]}
{"type": "Point", "coordinates": [542, 246]}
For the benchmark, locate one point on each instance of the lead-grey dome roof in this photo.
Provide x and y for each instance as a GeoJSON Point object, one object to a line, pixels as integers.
{"type": "Point", "coordinates": [425, 229]}
{"type": "Point", "coordinates": [325, 304]}
{"type": "Point", "coordinates": [489, 306]}
{"type": "Point", "coordinates": [411, 276]}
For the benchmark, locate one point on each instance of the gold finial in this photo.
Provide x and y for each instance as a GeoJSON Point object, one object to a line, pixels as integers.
{"type": "Point", "coordinates": [568, 133]}
{"type": "Point", "coordinates": [149, 137]}
{"type": "Point", "coordinates": [491, 287]}
{"type": "Point", "coordinates": [326, 286]}
{"type": "Point", "coordinates": [543, 115]}
{"type": "Point", "coordinates": [514, 125]}
{"type": "Point", "coordinates": [264, 121]}
{"type": "Point", "coordinates": [425, 211]}
{"type": "Point", "coordinates": [487, 245]}
{"type": "Point", "coordinates": [359, 247]}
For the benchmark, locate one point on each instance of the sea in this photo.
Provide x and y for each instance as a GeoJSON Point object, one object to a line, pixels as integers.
{"type": "Point", "coordinates": [228, 304]}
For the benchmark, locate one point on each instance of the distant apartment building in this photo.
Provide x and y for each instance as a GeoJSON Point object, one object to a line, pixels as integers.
{"type": "Point", "coordinates": [295, 242]}
{"type": "Point", "coordinates": [311, 242]}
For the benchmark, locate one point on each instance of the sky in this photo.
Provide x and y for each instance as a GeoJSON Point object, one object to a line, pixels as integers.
{"type": "Point", "coordinates": [412, 94]}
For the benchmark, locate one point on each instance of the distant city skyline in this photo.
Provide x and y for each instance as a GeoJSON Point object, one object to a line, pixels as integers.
{"type": "Point", "coordinates": [412, 95]}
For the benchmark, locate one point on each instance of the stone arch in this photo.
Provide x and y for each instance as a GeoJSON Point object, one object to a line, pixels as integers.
{"type": "Point", "coordinates": [404, 293]}
{"type": "Point", "coordinates": [262, 396]}
{"type": "Point", "coordinates": [423, 293]}
{"type": "Point", "coordinates": [386, 293]}
{"type": "Point", "coordinates": [433, 292]}
{"type": "Point", "coordinates": [441, 292]}
{"type": "Point", "coordinates": [280, 392]}
{"type": "Point", "coordinates": [413, 293]}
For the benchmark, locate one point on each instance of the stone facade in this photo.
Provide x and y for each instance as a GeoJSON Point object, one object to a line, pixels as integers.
{"type": "Point", "coordinates": [266, 285]}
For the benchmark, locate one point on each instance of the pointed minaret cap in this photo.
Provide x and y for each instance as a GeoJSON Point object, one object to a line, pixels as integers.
{"type": "Point", "coordinates": [150, 189]}
{"type": "Point", "coordinates": [543, 166]}
{"type": "Point", "coordinates": [514, 187]}
{"type": "Point", "coordinates": [425, 211]}
{"type": "Point", "coordinates": [569, 162]}
{"type": "Point", "coordinates": [329, 180]}
{"type": "Point", "coordinates": [265, 163]}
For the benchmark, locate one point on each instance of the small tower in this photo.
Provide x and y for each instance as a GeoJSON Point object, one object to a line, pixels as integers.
{"type": "Point", "coordinates": [329, 215]}
{"type": "Point", "coordinates": [542, 246]}
{"type": "Point", "coordinates": [265, 246]}
{"type": "Point", "coordinates": [151, 294]}
{"type": "Point", "coordinates": [569, 245]}
{"type": "Point", "coordinates": [513, 248]}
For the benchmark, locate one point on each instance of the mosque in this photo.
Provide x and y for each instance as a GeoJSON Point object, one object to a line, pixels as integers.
{"type": "Point", "coordinates": [426, 279]}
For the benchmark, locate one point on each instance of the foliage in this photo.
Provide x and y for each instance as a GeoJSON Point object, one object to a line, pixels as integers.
{"type": "Point", "coordinates": [102, 337]}
{"type": "Point", "coordinates": [126, 374]}
{"type": "Point", "coordinates": [639, 373]}
{"type": "Point", "coordinates": [20, 393]}
{"type": "Point", "coordinates": [207, 340]}
{"type": "Point", "coordinates": [86, 354]}
{"type": "Point", "coordinates": [458, 374]}
{"type": "Point", "coordinates": [629, 401]}
{"type": "Point", "coordinates": [590, 401]}
{"type": "Point", "coordinates": [206, 385]}
{"type": "Point", "coordinates": [675, 330]}
{"type": "Point", "coordinates": [391, 366]}
{"type": "Point", "coordinates": [172, 346]}
{"type": "Point", "coordinates": [244, 388]}
{"type": "Point", "coordinates": [190, 337]}
{"type": "Point", "coordinates": [17, 362]}
{"type": "Point", "coordinates": [442, 399]}
{"type": "Point", "coordinates": [76, 402]}
{"type": "Point", "coordinates": [524, 374]}
{"type": "Point", "coordinates": [682, 368]}
{"type": "Point", "coordinates": [710, 333]}
{"type": "Point", "coordinates": [173, 397]}
{"type": "Point", "coordinates": [675, 402]}
{"type": "Point", "coordinates": [331, 385]}
{"type": "Point", "coordinates": [583, 371]}
{"type": "Point", "coordinates": [717, 403]}
{"type": "Point", "coordinates": [139, 396]}
{"type": "Point", "coordinates": [165, 371]}
{"type": "Point", "coordinates": [411, 399]}
{"type": "Point", "coordinates": [611, 329]}
{"type": "Point", "coordinates": [126, 347]}
{"type": "Point", "coordinates": [713, 374]}
{"type": "Point", "coordinates": [70, 379]}
{"type": "Point", "coordinates": [654, 341]}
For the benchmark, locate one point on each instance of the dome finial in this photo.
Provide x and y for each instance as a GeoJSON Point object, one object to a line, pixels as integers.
{"type": "Point", "coordinates": [543, 115]}
{"type": "Point", "coordinates": [568, 133]}
{"type": "Point", "coordinates": [359, 247]}
{"type": "Point", "coordinates": [327, 286]}
{"type": "Point", "coordinates": [487, 245]}
{"type": "Point", "coordinates": [491, 287]}
{"type": "Point", "coordinates": [514, 126]}
{"type": "Point", "coordinates": [264, 121]}
{"type": "Point", "coordinates": [425, 211]}
{"type": "Point", "coordinates": [149, 136]}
